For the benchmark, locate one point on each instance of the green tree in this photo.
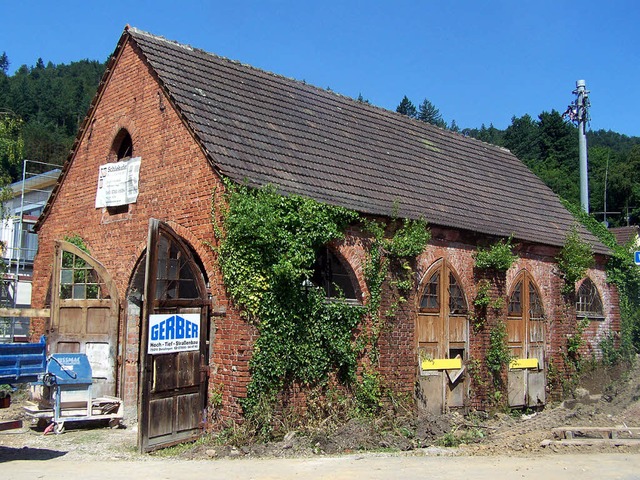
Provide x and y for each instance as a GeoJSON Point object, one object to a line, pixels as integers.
{"type": "Point", "coordinates": [429, 113]}
{"type": "Point", "coordinates": [4, 63]}
{"type": "Point", "coordinates": [521, 137]}
{"type": "Point", "coordinates": [52, 100]}
{"type": "Point", "coordinates": [407, 108]}
{"type": "Point", "coordinates": [489, 135]}
{"type": "Point", "coordinates": [11, 147]}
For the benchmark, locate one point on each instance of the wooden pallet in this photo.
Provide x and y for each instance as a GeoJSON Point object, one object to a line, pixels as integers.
{"type": "Point", "coordinates": [574, 433]}
{"type": "Point", "coordinates": [589, 436]}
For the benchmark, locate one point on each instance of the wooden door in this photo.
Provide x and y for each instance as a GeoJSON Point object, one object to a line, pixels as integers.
{"type": "Point", "coordinates": [84, 314]}
{"type": "Point", "coordinates": [173, 341]}
{"type": "Point", "coordinates": [526, 337]}
{"type": "Point", "coordinates": [443, 336]}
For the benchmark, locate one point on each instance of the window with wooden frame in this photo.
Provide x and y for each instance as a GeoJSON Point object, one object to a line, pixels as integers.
{"type": "Point", "coordinates": [533, 304]}
{"type": "Point", "coordinates": [588, 301]}
{"type": "Point", "coordinates": [430, 301]}
{"type": "Point", "coordinates": [79, 280]}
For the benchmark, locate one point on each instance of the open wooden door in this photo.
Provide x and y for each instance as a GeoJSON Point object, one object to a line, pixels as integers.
{"type": "Point", "coordinates": [526, 376]}
{"type": "Point", "coordinates": [443, 339]}
{"type": "Point", "coordinates": [173, 343]}
{"type": "Point", "coordinates": [84, 314]}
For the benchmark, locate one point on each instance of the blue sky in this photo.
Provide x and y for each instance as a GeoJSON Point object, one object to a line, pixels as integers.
{"type": "Point", "coordinates": [477, 61]}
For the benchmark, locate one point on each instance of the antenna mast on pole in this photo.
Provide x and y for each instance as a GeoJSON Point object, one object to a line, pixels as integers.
{"type": "Point", "coordinates": [578, 113]}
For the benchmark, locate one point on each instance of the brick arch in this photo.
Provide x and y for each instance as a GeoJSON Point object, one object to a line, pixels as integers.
{"type": "Point", "coordinates": [462, 269]}
{"type": "Point", "coordinates": [462, 265]}
{"type": "Point", "coordinates": [132, 310]}
{"type": "Point", "coordinates": [124, 123]}
{"type": "Point", "coordinates": [512, 280]}
{"type": "Point", "coordinates": [198, 245]}
{"type": "Point", "coordinates": [353, 257]}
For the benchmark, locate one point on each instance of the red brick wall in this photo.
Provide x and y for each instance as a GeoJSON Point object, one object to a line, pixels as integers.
{"type": "Point", "coordinates": [176, 185]}
{"type": "Point", "coordinates": [399, 362]}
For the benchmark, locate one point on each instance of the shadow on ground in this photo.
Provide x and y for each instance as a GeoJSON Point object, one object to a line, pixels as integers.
{"type": "Point", "coordinates": [26, 453]}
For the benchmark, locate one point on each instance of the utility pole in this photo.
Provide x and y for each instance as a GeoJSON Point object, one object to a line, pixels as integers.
{"type": "Point", "coordinates": [578, 113]}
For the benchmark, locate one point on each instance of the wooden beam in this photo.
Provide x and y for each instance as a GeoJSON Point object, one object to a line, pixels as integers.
{"type": "Point", "coordinates": [25, 312]}
{"type": "Point", "coordinates": [10, 425]}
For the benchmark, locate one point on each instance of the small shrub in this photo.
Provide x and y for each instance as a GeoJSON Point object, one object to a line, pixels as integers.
{"type": "Point", "coordinates": [498, 256]}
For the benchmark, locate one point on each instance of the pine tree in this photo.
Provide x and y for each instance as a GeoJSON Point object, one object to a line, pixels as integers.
{"type": "Point", "coordinates": [407, 108]}
{"type": "Point", "coordinates": [429, 113]}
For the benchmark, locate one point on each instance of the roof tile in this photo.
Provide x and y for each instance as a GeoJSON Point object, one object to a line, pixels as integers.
{"type": "Point", "coordinates": [263, 128]}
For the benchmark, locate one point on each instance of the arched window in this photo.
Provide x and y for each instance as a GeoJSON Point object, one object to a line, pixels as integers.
{"type": "Point", "coordinates": [430, 301]}
{"type": "Point", "coordinates": [122, 145]}
{"type": "Point", "coordinates": [79, 280]}
{"type": "Point", "coordinates": [122, 148]}
{"type": "Point", "coordinates": [333, 276]}
{"type": "Point", "coordinates": [532, 305]}
{"type": "Point", "coordinates": [589, 303]}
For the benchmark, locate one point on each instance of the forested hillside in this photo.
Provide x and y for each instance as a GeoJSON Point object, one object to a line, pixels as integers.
{"type": "Point", "coordinates": [42, 107]}
{"type": "Point", "coordinates": [548, 145]}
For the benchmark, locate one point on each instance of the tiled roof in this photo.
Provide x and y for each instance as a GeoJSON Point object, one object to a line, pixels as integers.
{"type": "Point", "coordinates": [261, 128]}
{"type": "Point", "coordinates": [625, 234]}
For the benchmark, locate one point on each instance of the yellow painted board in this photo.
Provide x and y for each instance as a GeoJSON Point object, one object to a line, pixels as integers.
{"type": "Point", "coordinates": [523, 363]}
{"type": "Point", "coordinates": [442, 364]}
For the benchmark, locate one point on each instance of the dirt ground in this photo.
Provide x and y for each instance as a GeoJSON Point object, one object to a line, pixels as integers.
{"type": "Point", "coordinates": [602, 401]}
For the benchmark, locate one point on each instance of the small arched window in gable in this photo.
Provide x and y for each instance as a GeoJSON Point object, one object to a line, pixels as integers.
{"type": "Point", "coordinates": [123, 145]}
{"type": "Point", "coordinates": [122, 148]}
{"type": "Point", "coordinates": [589, 303]}
{"type": "Point", "coordinates": [333, 276]}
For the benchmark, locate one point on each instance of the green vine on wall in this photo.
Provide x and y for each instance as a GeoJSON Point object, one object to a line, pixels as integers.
{"type": "Point", "coordinates": [575, 258]}
{"type": "Point", "coordinates": [389, 254]}
{"type": "Point", "coordinates": [498, 355]}
{"type": "Point", "coordinates": [267, 248]}
{"type": "Point", "coordinates": [482, 302]}
{"type": "Point", "coordinates": [498, 256]}
{"type": "Point", "coordinates": [268, 244]}
{"type": "Point", "coordinates": [625, 275]}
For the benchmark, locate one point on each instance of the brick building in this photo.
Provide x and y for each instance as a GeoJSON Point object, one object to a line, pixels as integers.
{"type": "Point", "coordinates": [177, 120]}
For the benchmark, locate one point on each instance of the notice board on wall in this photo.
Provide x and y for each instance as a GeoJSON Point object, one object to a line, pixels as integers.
{"type": "Point", "coordinates": [118, 183]}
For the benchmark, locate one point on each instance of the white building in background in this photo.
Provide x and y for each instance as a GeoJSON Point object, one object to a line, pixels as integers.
{"type": "Point", "coordinates": [20, 244]}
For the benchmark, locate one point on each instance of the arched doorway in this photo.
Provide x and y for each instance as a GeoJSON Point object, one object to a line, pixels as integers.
{"type": "Point", "coordinates": [84, 314]}
{"type": "Point", "coordinates": [526, 338]}
{"type": "Point", "coordinates": [443, 340]}
{"type": "Point", "coordinates": [174, 342]}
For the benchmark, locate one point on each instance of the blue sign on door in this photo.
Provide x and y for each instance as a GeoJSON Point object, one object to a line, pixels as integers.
{"type": "Point", "coordinates": [637, 257]}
